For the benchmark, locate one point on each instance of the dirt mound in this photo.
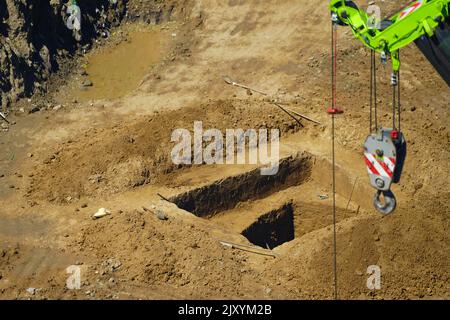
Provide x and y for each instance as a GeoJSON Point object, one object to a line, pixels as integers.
{"type": "Point", "coordinates": [367, 240]}
{"type": "Point", "coordinates": [149, 253]}
{"type": "Point", "coordinates": [185, 253]}
{"type": "Point", "coordinates": [128, 154]}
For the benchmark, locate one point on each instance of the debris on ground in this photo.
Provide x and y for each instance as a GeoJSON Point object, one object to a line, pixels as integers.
{"type": "Point", "coordinates": [102, 212]}
{"type": "Point", "coordinates": [32, 291]}
{"type": "Point", "coordinates": [161, 215]}
{"type": "Point", "coordinates": [117, 155]}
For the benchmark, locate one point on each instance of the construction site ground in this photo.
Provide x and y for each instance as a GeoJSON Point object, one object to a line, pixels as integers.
{"type": "Point", "coordinates": [108, 146]}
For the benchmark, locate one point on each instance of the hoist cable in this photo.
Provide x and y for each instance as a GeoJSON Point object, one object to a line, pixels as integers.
{"type": "Point", "coordinates": [372, 55]}
{"type": "Point", "coordinates": [334, 108]}
{"type": "Point", "coordinates": [375, 98]}
{"type": "Point", "coordinates": [399, 105]}
{"type": "Point", "coordinates": [394, 102]}
{"type": "Point", "coordinates": [396, 107]}
{"type": "Point", "coordinates": [373, 94]}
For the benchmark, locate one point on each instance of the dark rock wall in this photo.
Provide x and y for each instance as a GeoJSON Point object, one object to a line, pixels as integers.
{"type": "Point", "coordinates": [34, 37]}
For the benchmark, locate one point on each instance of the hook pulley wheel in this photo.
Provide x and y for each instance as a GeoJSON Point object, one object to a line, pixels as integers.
{"type": "Point", "coordinates": [389, 204]}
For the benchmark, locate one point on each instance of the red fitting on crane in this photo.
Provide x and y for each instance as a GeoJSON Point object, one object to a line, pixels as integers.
{"type": "Point", "coordinates": [394, 135]}
{"type": "Point", "coordinates": [335, 111]}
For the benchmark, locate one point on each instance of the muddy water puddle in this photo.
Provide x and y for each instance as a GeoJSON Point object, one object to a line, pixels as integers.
{"type": "Point", "coordinates": [118, 68]}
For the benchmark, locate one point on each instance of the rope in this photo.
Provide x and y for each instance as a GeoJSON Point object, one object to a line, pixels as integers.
{"type": "Point", "coordinates": [372, 56]}
{"type": "Point", "coordinates": [333, 66]}
{"type": "Point", "coordinates": [394, 104]}
{"type": "Point", "coordinates": [333, 92]}
{"type": "Point", "coordinates": [396, 107]}
{"type": "Point", "coordinates": [374, 91]}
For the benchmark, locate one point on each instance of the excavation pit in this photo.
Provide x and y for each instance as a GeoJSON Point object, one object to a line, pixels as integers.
{"type": "Point", "coordinates": [225, 194]}
{"type": "Point", "coordinates": [225, 201]}
{"type": "Point", "coordinates": [273, 228]}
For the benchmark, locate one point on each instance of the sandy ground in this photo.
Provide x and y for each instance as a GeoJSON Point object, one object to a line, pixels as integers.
{"type": "Point", "coordinates": [59, 166]}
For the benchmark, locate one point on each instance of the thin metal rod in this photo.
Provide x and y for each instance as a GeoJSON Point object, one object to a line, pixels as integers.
{"type": "Point", "coordinates": [3, 117]}
{"type": "Point", "coordinates": [351, 194]}
{"type": "Point", "coordinates": [304, 117]}
{"type": "Point", "coordinates": [164, 198]}
{"type": "Point", "coordinates": [288, 113]}
{"type": "Point", "coordinates": [284, 109]}
{"type": "Point", "coordinates": [334, 212]}
{"type": "Point", "coordinates": [333, 85]}
{"type": "Point", "coordinates": [243, 86]}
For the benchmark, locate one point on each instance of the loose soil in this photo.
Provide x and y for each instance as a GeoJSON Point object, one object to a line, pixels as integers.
{"type": "Point", "coordinates": [59, 165]}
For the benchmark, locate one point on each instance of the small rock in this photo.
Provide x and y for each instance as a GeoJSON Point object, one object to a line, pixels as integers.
{"type": "Point", "coordinates": [102, 212]}
{"type": "Point", "coordinates": [35, 109]}
{"type": "Point", "coordinates": [32, 291]}
{"type": "Point", "coordinates": [87, 83]}
{"type": "Point", "coordinates": [84, 205]}
{"type": "Point", "coordinates": [161, 215]}
{"type": "Point", "coordinates": [95, 178]}
{"type": "Point", "coordinates": [56, 108]}
{"type": "Point", "coordinates": [358, 273]}
{"type": "Point", "coordinates": [413, 109]}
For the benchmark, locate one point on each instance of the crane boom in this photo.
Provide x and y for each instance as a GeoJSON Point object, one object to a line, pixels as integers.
{"type": "Point", "coordinates": [425, 22]}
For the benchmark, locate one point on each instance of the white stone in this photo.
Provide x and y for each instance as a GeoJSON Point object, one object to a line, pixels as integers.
{"type": "Point", "coordinates": [102, 212]}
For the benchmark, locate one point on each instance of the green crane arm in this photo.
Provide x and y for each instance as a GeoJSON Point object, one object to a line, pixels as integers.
{"type": "Point", "coordinates": [420, 18]}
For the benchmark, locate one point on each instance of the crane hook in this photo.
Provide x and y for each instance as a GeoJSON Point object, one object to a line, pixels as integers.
{"type": "Point", "coordinates": [389, 202]}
